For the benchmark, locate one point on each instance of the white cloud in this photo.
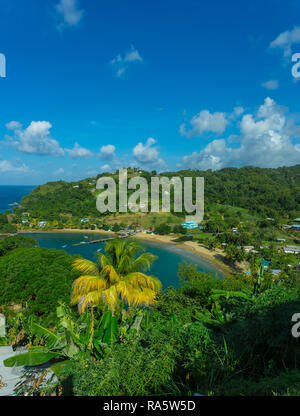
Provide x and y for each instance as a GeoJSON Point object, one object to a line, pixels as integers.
{"type": "Point", "coordinates": [272, 84]}
{"type": "Point", "coordinates": [285, 41]}
{"type": "Point", "coordinates": [205, 122]}
{"type": "Point", "coordinates": [133, 56]}
{"type": "Point", "coordinates": [107, 152]}
{"type": "Point", "coordinates": [237, 111]}
{"type": "Point", "coordinates": [59, 172]}
{"type": "Point", "coordinates": [13, 125]}
{"type": "Point", "coordinates": [120, 64]}
{"type": "Point", "coordinates": [79, 152]}
{"type": "Point", "coordinates": [7, 166]}
{"type": "Point", "coordinates": [69, 12]}
{"type": "Point", "coordinates": [146, 155]}
{"type": "Point", "coordinates": [106, 168]}
{"type": "Point", "coordinates": [212, 157]}
{"type": "Point", "coordinates": [35, 139]}
{"type": "Point", "coordinates": [264, 141]}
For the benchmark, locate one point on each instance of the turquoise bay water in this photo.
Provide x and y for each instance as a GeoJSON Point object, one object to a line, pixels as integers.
{"type": "Point", "coordinates": [165, 267]}
{"type": "Point", "coordinates": [11, 194]}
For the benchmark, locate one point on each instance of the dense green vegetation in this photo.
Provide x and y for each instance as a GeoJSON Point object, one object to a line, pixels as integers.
{"type": "Point", "coordinates": [36, 278]}
{"type": "Point", "coordinates": [17, 241]}
{"type": "Point", "coordinates": [268, 192]}
{"type": "Point", "coordinates": [5, 225]}
{"type": "Point", "coordinates": [210, 336]}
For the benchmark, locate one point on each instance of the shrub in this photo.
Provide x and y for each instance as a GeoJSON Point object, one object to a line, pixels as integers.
{"type": "Point", "coordinates": [36, 278]}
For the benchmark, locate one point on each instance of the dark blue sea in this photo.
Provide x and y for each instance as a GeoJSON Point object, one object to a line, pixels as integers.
{"type": "Point", "coordinates": [11, 194]}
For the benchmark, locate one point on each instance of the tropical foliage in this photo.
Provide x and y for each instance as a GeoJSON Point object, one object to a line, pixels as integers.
{"type": "Point", "coordinates": [36, 279]}
{"type": "Point", "coordinates": [268, 192]}
{"type": "Point", "coordinates": [117, 277]}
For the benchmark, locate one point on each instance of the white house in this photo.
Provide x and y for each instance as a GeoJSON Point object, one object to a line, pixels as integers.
{"type": "Point", "coordinates": [291, 249]}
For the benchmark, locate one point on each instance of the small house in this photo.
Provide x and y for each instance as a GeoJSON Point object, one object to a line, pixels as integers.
{"type": "Point", "coordinates": [248, 248]}
{"type": "Point", "coordinates": [189, 225]}
{"type": "Point", "coordinates": [291, 249]}
{"type": "Point", "coordinates": [42, 224]}
{"type": "Point", "coordinates": [296, 227]}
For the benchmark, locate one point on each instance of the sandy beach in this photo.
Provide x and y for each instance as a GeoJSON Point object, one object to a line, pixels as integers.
{"type": "Point", "coordinates": [215, 256]}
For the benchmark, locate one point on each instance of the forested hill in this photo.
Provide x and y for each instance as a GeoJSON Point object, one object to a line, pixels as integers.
{"type": "Point", "coordinates": [272, 192]}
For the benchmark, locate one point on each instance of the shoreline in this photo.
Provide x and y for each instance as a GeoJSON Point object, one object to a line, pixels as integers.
{"type": "Point", "coordinates": [191, 246]}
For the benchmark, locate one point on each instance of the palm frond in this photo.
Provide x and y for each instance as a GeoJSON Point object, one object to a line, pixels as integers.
{"type": "Point", "coordinates": [85, 284]}
{"type": "Point", "coordinates": [93, 298]}
{"type": "Point", "coordinates": [143, 262]}
{"type": "Point", "coordinates": [142, 280]}
{"type": "Point", "coordinates": [86, 267]}
{"type": "Point", "coordinates": [110, 273]}
{"type": "Point", "coordinates": [110, 297]}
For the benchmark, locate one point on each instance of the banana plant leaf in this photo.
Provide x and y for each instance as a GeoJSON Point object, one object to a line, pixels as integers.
{"type": "Point", "coordinates": [50, 337]}
{"type": "Point", "coordinates": [57, 368]}
{"type": "Point", "coordinates": [31, 358]}
{"type": "Point", "coordinates": [111, 331]}
{"type": "Point", "coordinates": [107, 331]}
{"type": "Point", "coordinates": [137, 323]}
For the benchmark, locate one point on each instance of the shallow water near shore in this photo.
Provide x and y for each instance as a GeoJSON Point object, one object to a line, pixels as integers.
{"type": "Point", "coordinates": [165, 267]}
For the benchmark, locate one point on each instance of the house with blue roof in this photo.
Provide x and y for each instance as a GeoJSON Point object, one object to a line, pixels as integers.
{"type": "Point", "coordinates": [189, 225]}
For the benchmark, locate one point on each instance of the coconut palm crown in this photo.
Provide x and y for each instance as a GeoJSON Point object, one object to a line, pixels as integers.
{"type": "Point", "coordinates": [118, 275]}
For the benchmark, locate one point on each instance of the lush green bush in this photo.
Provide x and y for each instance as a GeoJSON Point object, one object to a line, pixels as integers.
{"type": "Point", "coordinates": [163, 229]}
{"type": "Point", "coordinates": [260, 333]}
{"type": "Point", "coordinates": [170, 356]}
{"type": "Point", "coordinates": [36, 278]}
{"type": "Point", "coordinates": [286, 383]}
{"type": "Point", "coordinates": [17, 241]}
{"type": "Point", "coordinates": [5, 226]}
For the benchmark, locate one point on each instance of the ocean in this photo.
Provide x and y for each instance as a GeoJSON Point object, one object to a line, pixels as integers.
{"type": "Point", "coordinates": [11, 194]}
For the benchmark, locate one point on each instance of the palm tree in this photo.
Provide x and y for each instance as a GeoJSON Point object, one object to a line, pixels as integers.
{"type": "Point", "coordinates": [117, 276]}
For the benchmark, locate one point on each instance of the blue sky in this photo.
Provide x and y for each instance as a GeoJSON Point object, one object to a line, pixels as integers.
{"type": "Point", "coordinates": [92, 86]}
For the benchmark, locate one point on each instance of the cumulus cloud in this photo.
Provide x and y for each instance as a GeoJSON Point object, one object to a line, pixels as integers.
{"type": "Point", "coordinates": [79, 152]}
{"type": "Point", "coordinates": [59, 172]}
{"type": "Point", "coordinates": [34, 140]}
{"type": "Point", "coordinates": [205, 122]}
{"type": "Point", "coordinates": [69, 12]}
{"type": "Point", "coordinates": [7, 166]}
{"type": "Point", "coordinates": [148, 156]}
{"type": "Point", "coordinates": [121, 63]}
{"type": "Point", "coordinates": [212, 157]}
{"type": "Point", "coordinates": [13, 125]}
{"type": "Point", "coordinates": [107, 152]}
{"type": "Point", "coordinates": [264, 141]}
{"type": "Point", "coordinates": [272, 84]}
{"type": "Point", "coordinates": [106, 168]}
{"type": "Point", "coordinates": [285, 41]}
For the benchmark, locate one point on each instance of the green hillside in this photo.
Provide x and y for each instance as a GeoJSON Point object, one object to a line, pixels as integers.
{"type": "Point", "coordinates": [268, 192]}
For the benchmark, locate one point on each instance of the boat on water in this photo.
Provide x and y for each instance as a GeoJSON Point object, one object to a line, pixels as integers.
{"type": "Point", "coordinates": [65, 246]}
